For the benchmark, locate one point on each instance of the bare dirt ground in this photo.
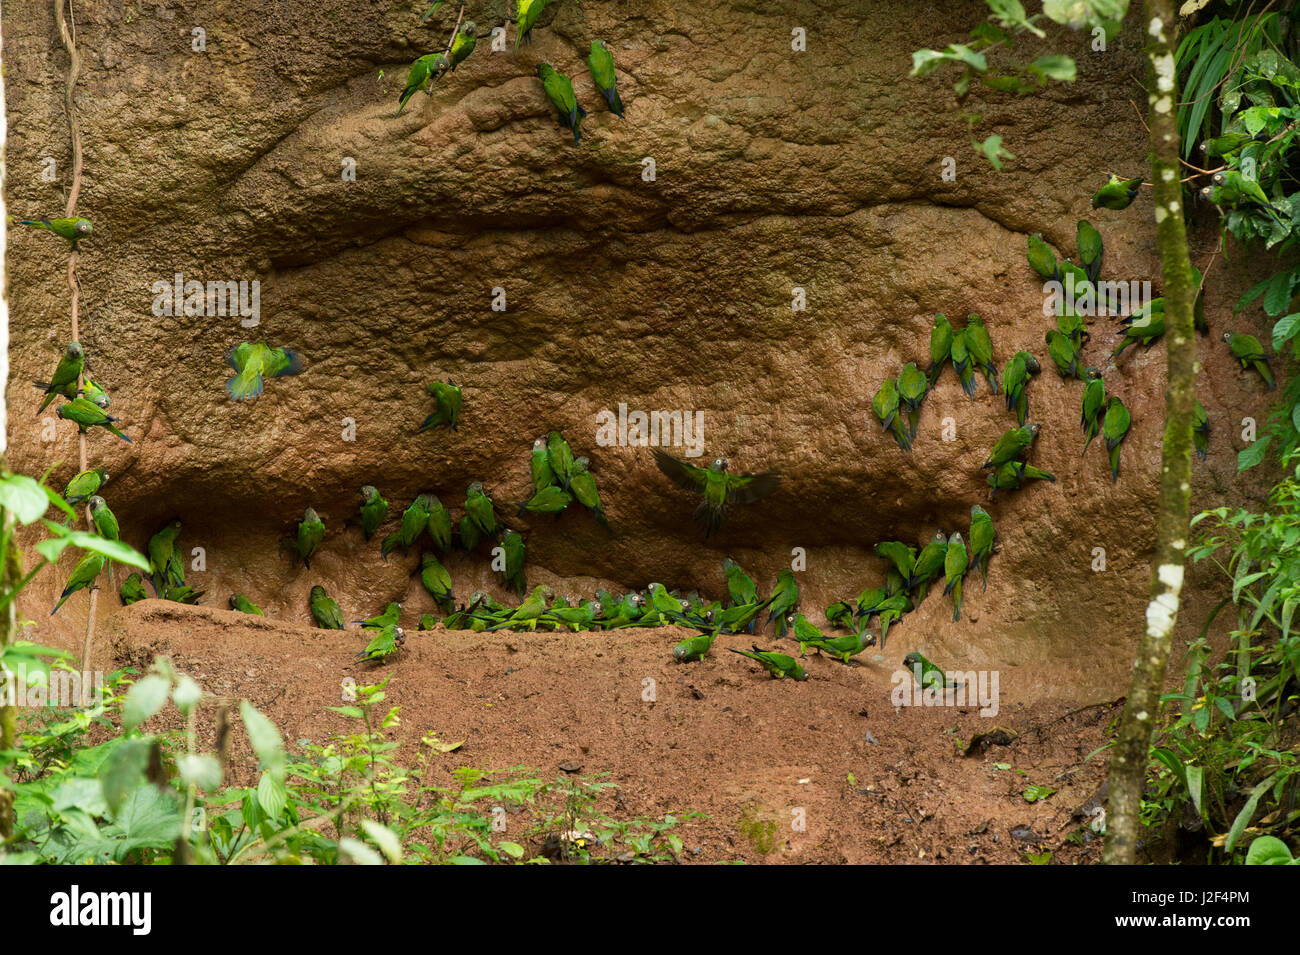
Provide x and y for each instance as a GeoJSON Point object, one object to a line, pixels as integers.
{"type": "Point", "coordinates": [872, 783]}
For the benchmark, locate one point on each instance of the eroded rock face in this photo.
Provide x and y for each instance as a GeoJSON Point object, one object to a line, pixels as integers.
{"type": "Point", "coordinates": [773, 170]}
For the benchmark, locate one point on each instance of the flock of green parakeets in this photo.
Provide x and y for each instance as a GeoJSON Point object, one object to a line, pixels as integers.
{"type": "Point", "coordinates": [559, 478]}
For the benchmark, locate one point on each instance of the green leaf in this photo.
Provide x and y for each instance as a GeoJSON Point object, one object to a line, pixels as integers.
{"type": "Point", "coordinates": [465, 860]}
{"type": "Point", "coordinates": [993, 151]}
{"type": "Point", "coordinates": [1054, 67]}
{"type": "Point", "coordinates": [1269, 850]}
{"type": "Point", "coordinates": [23, 497]}
{"type": "Point", "coordinates": [1247, 812]}
{"type": "Point", "coordinates": [264, 737]}
{"type": "Point", "coordinates": [1196, 787]}
{"type": "Point", "coordinates": [114, 550]}
{"type": "Point", "coordinates": [385, 838]}
{"type": "Point", "coordinates": [123, 771]}
{"type": "Point", "coordinates": [145, 698]}
{"type": "Point", "coordinates": [1285, 329]}
{"type": "Point", "coordinates": [513, 849]}
{"type": "Point", "coordinates": [1278, 294]}
{"type": "Point", "coordinates": [1253, 455]}
{"type": "Point", "coordinates": [186, 695]}
{"type": "Point", "coordinates": [200, 770]}
{"type": "Point", "coordinates": [272, 794]}
{"type": "Point", "coordinates": [353, 712]}
{"type": "Point", "coordinates": [1036, 793]}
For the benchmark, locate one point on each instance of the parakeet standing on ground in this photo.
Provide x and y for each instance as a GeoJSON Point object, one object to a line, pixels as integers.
{"type": "Point", "coordinates": [525, 616]}
{"type": "Point", "coordinates": [940, 348]}
{"type": "Point", "coordinates": [982, 541]}
{"type": "Point", "coordinates": [88, 415]}
{"type": "Point", "coordinates": [954, 570]}
{"type": "Point", "coordinates": [133, 590]}
{"type": "Point", "coordinates": [886, 405]}
{"type": "Point", "coordinates": [1201, 431]}
{"type": "Point", "coordinates": [182, 594]}
{"type": "Point", "coordinates": [843, 647]}
{"type": "Point", "coordinates": [1247, 350]}
{"type": "Point", "coordinates": [165, 564]}
{"type": "Point", "coordinates": [926, 673]}
{"type": "Point", "coordinates": [1114, 427]}
{"type": "Point", "coordinates": [1089, 244]}
{"type": "Point", "coordinates": [414, 521]}
{"type": "Point", "coordinates": [1013, 445]}
{"type": "Point", "coordinates": [802, 630]}
{"type": "Point", "coordinates": [1116, 194]}
{"type": "Point", "coordinates": [105, 520]}
{"type": "Point", "coordinates": [386, 642]}
{"type": "Point", "coordinates": [785, 598]}
{"type": "Point", "coordinates": [447, 398]}
{"type": "Point", "coordinates": [66, 375]}
{"type": "Point", "coordinates": [912, 385]}
{"type": "Point", "coordinates": [1015, 383]}
{"type": "Point", "coordinates": [693, 649]}
{"type": "Point", "coordinates": [601, 64]}
{"type": "Point", "coordinates": [324, 609]}
{"type": "Point", "coordinates": [422, 73]}
{"type": "Point", "coordinates": [512, 544]}
{"type": "Point", "coordinates": [427, 621]}
{"type": "Point", "coordinates": [74, 229]}
{"type": "Point", "coordinates": [559, 90]}
{"type": "Point", "coordinates": [719, 488]}
{"type": "Point", "coordinates": [374, 511]}
{"type": "Point", "coordinates": [462, 44]}
{"type": "Point", "coordinates": [83, 575]}
{"type": "Point", "coordinates": [1042, 259]}
{"type": "Point", "coordinates": [242, 604]}
{"type": "Point", "coordinates": [84, 485]}
{"type": "Point", "coordinates": [777, 664]}
{"type": "Point", "coordinates": [253, 363]}
{"type": "Point", "coordinates": [980, 347]}
{"type": "Point", "coordinates": [1094, 403]}
{"type": "Point", "coordinates": [311, 531]}
{"type": "Point", "coordinates": [437, 581]}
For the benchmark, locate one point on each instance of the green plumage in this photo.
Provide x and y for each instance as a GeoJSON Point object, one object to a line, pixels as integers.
{"type": "Point", "coordinates": [539, 466]}
{"type": "Point", "coordinates": [374, 511]}
{"type": "Point", "coordinates": [955, 563]}
{"type": "Point", "coordinates": [1012, 476]}
{"type": "Point", "coordinates": [93, 392]}
{"type": "Point", "coordinates": [478, 508]}
{"type": "Point", "coordinates": [559, 90]}
{"type": "Point", "coordinates": [447, 400]}
{"type": "Point", "coordinates": [1094, 402]}
{"type": "Point", "coordinates": [740, 586]}
{"type": "Point", "coordinates": [105, 520]}
{"type": "Point", "coordinates": [89, 415]}
{"type": "Point", "coordinates": [415, 518]}
{"type": "Point", "coordinates": [928, 564]}
{"type": "Point", "coordinates": [962, 363]}
{"type": "Point", "coordinates": [925, 673]}
{"type": "Point", "coordinates": [549, 500]}
{"type": "Point", "coordinates": [1090, 246]}
{"type": "Point", "coordinates": [83, 575]}
{"type": "Point", "coordinates": [785, 598]}
{"type": "Point", "coordinates": [694, 648]}
{"type": "Point", "coordinates": [1015, 383]}
{"type": "Point", "coordinates": [1201, 431]}
{"type": "Point", "coordinates": [1042, 259]}
{"type": "Point", "coordinates": [1247, 350]}
{"type": "Point", "coordinates": [1114, 428]}
{"type": "Point", "coordinates": [310, 533]}
{"type": "Point", "coordinates": [242, 604]}
{"type": "Point", "coordinates": [133, 590]}
{"type": "Point", "coordinates": [720, 489]}
{"type": "Point", "coordinates": [462, 45]}
{"type": "Point", "coordinates": [84, 485]}
{"type": "Point", "coordinates": [778, 665]}
{"type": "Point", "coordinates": [1116, 194]}
{"type": "Point", "coordinates": [1064, 352]}
{"type": "Point", "coordinates": [74, 229]}
{"type": "Point", "coordinates": [324, 609]}
{"type": "Point", "coordinates": [983, 538]}
{"type": "Point", "coordinates": [886, 405]}
{"type": "Point", "coordinates": [66, 375]}
{"type": "Point", "coordinates": [437, 581]}
{"type": "Point", "coordinates": [165, 564]}
{"type": "Point", "coordinates": [255, 362]}
{"type": "Point", "coordinates": [386, 641]}
{"type": "Point", "coordinates": [439, 525]}
{"type": "Point", "coordinates": [1013, 445]}
{"type": "Point", "coordinates": [512, 544]}
{"type": "Point", "coordinates": [912, 386]}
{"type": "Point", "coordinates": [980, 347]}
{"type": "Point", "coordinates": [601, 64]}
{"type": "Point", "coordinates": [420, 76]}
{"type": "Point", "coordinates": [583, 486]}
{"type": "Point", "coordinates": [940, 348]}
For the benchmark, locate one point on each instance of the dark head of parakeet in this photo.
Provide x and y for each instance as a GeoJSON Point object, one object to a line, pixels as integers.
{"type": "Point", "coordinates": [74, 350]}
{"type": "Point", "coordinates": [1032, 365]}
{"type": "Point", "coordinates": [940, 537]}
{"type": "Point", "coordinates": [1218, 179]}
{"type": "Point", "coordinates": [1092, 374]}
{"type": "Point", "coordinates": [1227, 336]}
{"type": "Point", "coordinates": [469, 28]}
{"type": "Point", "coordinates": [912, 659]}
{"type": "Point", "coordinates": [83, 228]}
{"type": "Point", "coordinates": [719, 464]}
{"type": "Point", "coordinates": [475, 488]}
{"type": "Point", "coordinates": [597, 609]}
{"type": "Point", "coordinates": [1033, 429]}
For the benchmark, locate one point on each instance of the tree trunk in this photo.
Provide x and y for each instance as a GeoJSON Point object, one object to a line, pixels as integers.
{"type": "Point", "coordinates": [1130, 756]}
{"type": "Point", "coordinates": [8, 580]}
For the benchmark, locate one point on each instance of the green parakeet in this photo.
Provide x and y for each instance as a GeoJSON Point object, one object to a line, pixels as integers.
{"type": "Point", "coordinates": [742, 616]}
{"type": "Point", "coordinates": [478, 508]}
{"type": "Point", "coordinates": [437, 581]}
{"type": "Point", "coordinates": [1015, 383]}
{"type": "Point", "coordinates": [1141, 329]}
{"type": "Point", "coordinates": [427, 621]}
{"type": "Point", "coordinates": [422, 73]}
{"type": "Point", "coordinates": [983, 538]}
{"type": "Point", "coordinates": [253, 363]}
{"type": "Point", "coordinates": [83, 575]}
{"type": "Point", "coordinates": [242, 604]}
{"type": "Point", "coordinates": [385, 643]}
{"type": "Point", "coordinates": [926, 673]}
{"type": "Point", "coordinates": [886, 405]}
{"type": "Point", "coordinates": [740, 586]}
{"type": "Point", "coordinates": [88, 415]}
{"type": "Point", "coordinates": [560, 457]}
{"type": "Point", "coordinates": [1247, 350]}
{"type": "Point", "coordinates": [66, 375]}
{"type": "Point", "coordinates": [954, 570]}
{"type": "Point", "coordinates": [462, 45]}
{"type": "Point", "coordinates": [374, 511]}
{"type": "Point", "coordinates": [928, 564]}
{"type": "Point", "coordinates": [840, 614]}
{"type": "Point", "coordinates": [694, 648]}
{"type": "Point", "coordinates": [1012, 476]}
{"type": "Point", "coordinates": [940, 348]}
{"type": "Point", "coordinates": [1013, 445]}
{"type": "Point", "coordinates": [165, 564]}
{"type": "Point", "coordinates": [1094, 402]}
{"type": "Point", "coordinates": [414, 521]}
{"type": "Point", "coordinates": [310, 533]}
{"type": "Point", "coordinates": [901, 555]}
{"type": "Point", "coordinates": [583, 486]}
{"type": "Point", "coordinates": [785, 598]}
{"type": "Point", "coordinates": [1231, 188]}
{"type": "Point", "coordinates": [803, 631]}
{"type": "Point", "coordinates": [390, 617]}
{"type": "Point", "coordinates": [601, 64]}
{"type": "Point", "coordinates": [526, 14]}
{"type": "Point", "coordinates": [512, 544]}
{"type": "Point", "coordinates": [104, 519]}
{"type": "Point", "coordinates": [891, 609]}
{"type": "Point", "coordinates": [525, 616]}
{"type": "Point", "coordinates": [84, 485]}
{"type": "Point", "coordinates": [559, 90]}
{"type": "Point", "coordinates": [439, 525]}
{"type": "Point", "coordinates": [1064, 352]}
{"type": "Point", "coordinates": [74, 229]}
{"type": "Point", "coordinates": [549, 500]}
{"type": "Point", "coordinates": [1113, 429]}
{"type": "Point", "coordinates": [94, 392]}
{"type": "Point", "coordinates": [962, 363]}
{"type": "Point", "coordinates": [843, 647]}
{"type": "Point", "coordinates": [133, 590]}
{"type": "Point", "coordinates": [980, 347]}
{"type": "Point", "coordinates": [539, 465]}
{"type": "Point", "coordinates": [1072, 325]}
{"type": "Point", "coordinates": [1201, 431]}
{"type": "Point", "coordinates": [1117, 193]}
{"type": "Point", "coordinates": [447, 400]}
{"type": "Point", "coordinates": [777, 664]}
{"type": "Point", "coordinates": [469, 533]}
{"type": "Point", "coordinates": [1088, 241]}
{"type": "Point", "coordinates": [1042, 259]}
{"type": "Point", "coordinates": [324, 609]}
{"type": "Point", "coordinates": [719, 488]}
{"type": "Point", "coordinates": [182, 594]}
{"type": "Point", "coordinates": [912, 385]}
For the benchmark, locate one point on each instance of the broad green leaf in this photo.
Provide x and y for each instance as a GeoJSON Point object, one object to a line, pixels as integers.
{"type": "Point", "coordinates": [513, 849]}
{"type": "Point", "coordinates": [1247, 813]}
{"type": "Point", "coordinates": [123, 771]}
{"type": "Point", "coordinates": [145, 698]}
{"type": "Point", "coordinates": [201, 770]}
{"type": "Point", "coordinates": [265, 738]}
{"type": "Point", "coordinates": [993, 151]}
{"type": "Point", "coordinates": [1285, 329]}
{"type": "Point", "coordinates": [1278, 294]}
{"type": "Point", "coordinates": [1036, 793]}
{"type": "Point", "coordinates": [1269, 850]}
{"type": "Point", "coordinates": [1253, 455]}
{"type": "Point", "coordinates": [23, 497]}
{"type": "Point", "coordinates": [1054, 67]}
{"type": "Point", "coordinates": [465, 860]}
{"type": "Point", "coordinates": [272, 795]}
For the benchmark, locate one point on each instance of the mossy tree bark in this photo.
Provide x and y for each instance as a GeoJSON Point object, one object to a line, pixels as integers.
{"type": "Point", "coordinates": [9, 573]}
{"type": "Point", "coordinates": [1129, 758]}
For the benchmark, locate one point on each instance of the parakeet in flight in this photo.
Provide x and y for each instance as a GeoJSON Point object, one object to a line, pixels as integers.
{"type": "Point", "coordinates": [66, 375]}
{"type": "Point", "coordinates": [601, 64]}
{"type": "Point", "coordinates": [559, 90]}
{"type": "Point", "coordinates": [720, 489]}
{"type": "Point", "coordinates": [254, 362]}
{"type": "Point", "coordinates": [88, 415]}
